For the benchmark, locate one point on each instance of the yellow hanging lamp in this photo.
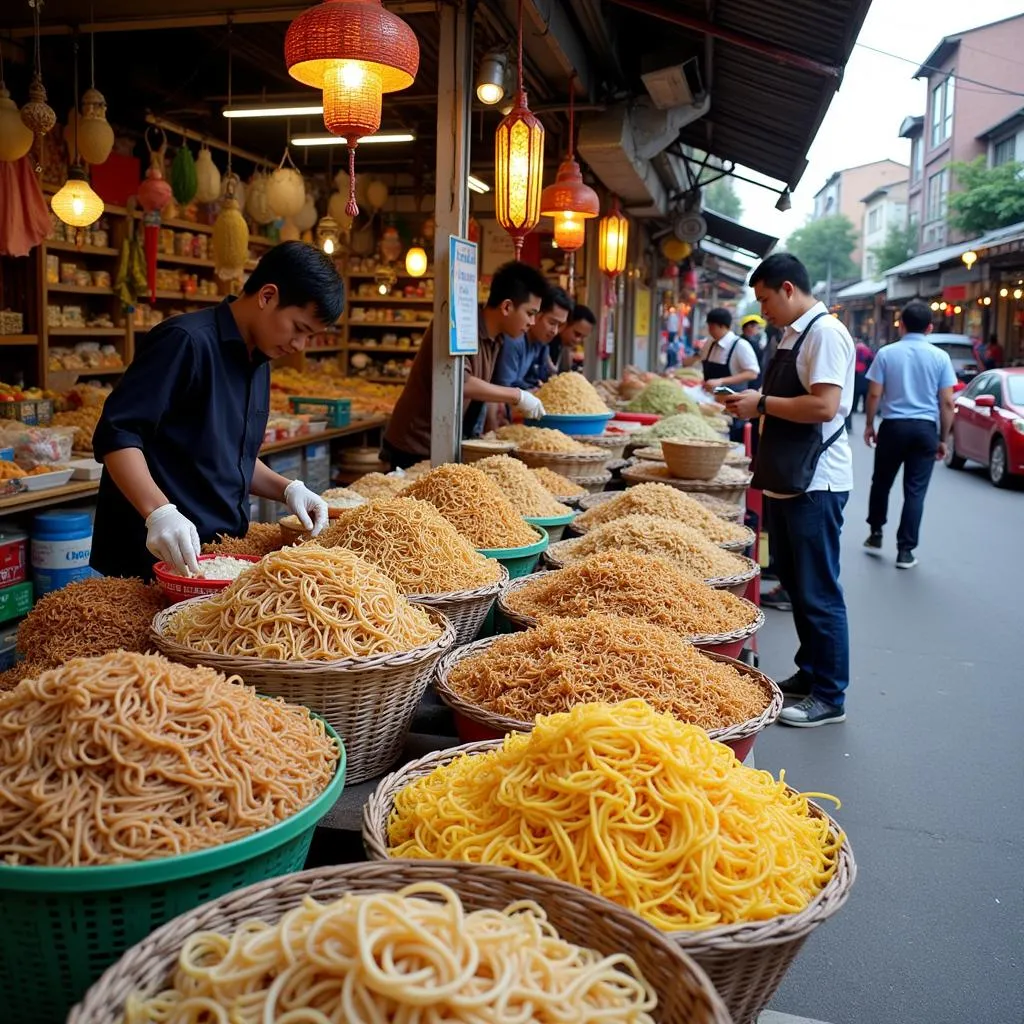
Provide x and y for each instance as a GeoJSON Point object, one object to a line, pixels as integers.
{"type": "Point", "coordinates": [613, 241]}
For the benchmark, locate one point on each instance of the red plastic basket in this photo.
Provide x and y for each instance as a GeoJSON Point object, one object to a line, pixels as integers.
{"type": "Point", "coordinates": [181, 588]}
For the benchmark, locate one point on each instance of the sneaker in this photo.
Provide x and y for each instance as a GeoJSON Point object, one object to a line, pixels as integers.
{"type": "Point", "coordinates": [905, 559]}
{"type": "Point", "coordinates": [797, 685]}
{"type": "Point", "coordinates": [873, 545]}
{"type": "Point", "coordinates": [777, 599]}
{"type": "Point", "coordinates": [811, 712]}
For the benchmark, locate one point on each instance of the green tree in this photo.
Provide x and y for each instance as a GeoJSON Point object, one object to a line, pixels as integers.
{"type": "Point", "coordinates": [990, 197]}
{"type": "Point", "coordinates": [720, 196]}
{"type": "Point", "coordinates": [899, 245]}
{"type": "Point", "coordinates": [824, 243]}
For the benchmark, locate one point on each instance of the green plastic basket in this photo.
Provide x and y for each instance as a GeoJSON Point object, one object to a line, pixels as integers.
{"type": "Point", "coordinates": [555, 525]}
{"type": "Point", "coordinates": [61, 928]}
{"type": "Point", "coordinates": [519, 562]}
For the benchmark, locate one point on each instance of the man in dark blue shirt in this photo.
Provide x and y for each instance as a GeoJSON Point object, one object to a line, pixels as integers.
{"type": "Point", "coordinates": [179, 437]}
{"type": "Point", "coordinates": [524, 361]}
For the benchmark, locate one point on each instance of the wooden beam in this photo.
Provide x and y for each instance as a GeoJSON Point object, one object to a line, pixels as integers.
{"type": "Point", "coordinates": [176, 129]}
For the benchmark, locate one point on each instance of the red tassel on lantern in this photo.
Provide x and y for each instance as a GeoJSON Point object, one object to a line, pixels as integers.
{"type": "Point", "coordinates": [154, 194]}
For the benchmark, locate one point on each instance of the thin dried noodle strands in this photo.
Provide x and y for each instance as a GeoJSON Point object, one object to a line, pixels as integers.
{"type": "Point", "coordinates": [130, 757]}
{"type": "Point", "coordinates": [632, 805]}
{"type": "Point", "coordinates": [640, 586]}
{"type": "Point", "coordinates": [305, 604]}
{"type": "Point", "coordinates": [376, 485]}
{"type": "Point", "coordinates": [473, 503]}
{"type": "Point", "coordinates": [565, 662]}
{"type": "Point", "coordinates": [556, 484]}
{"type": "Point", "coordinates": [543, 439]}
{"type": "Point", "coordinates": [571, 394]}
{"type": "Point", "coordinates": [413, 545]}
{"type": "Point", "coordinates": [259, 540]}
{"type": "Point", "coordinates": [527, 495]}
{"type": "Point", "coordinates": [412, 957]}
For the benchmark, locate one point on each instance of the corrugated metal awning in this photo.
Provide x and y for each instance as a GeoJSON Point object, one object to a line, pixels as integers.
{"type": "Point", "coordinates": [734, 235]}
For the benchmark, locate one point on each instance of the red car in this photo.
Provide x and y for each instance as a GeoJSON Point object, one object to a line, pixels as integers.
{"type": "Point", "coordinates": [988, 425]}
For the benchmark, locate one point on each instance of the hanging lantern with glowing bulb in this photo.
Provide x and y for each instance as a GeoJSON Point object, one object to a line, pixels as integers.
{"type": "Point", "coordinates": [569, 201]}
{"type": "Point", "coordinates": [76, 204]}
{"type": "Point", "coordinates": [518, 163]}
{"type": "Point", "coordinates": [1003, 292]}
{"type": "Point", "coordinates": [328, 235]}
{"type": "Point", "coordinates": [969, 258]}
{"type": "Point", "coordinates": [230, 236]}
{"type": "Point", "coordinates": [613, 241]}
{"type": "Point", "coordinates": [416, 261]}
{"type": "Point", "coordinates": [353, 51]}
{"type": "Point", "coordinates": [1017, 293]}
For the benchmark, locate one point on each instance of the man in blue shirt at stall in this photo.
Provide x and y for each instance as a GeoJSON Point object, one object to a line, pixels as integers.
{"type": "Point", "coordinates": [179, 437]}
{"type": "Point", "coordinates": [524, 361]}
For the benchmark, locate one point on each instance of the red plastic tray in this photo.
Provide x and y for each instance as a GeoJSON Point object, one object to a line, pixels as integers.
{"type": "Point", "coordinates": [646, 418]}
{"type": "Point", "coordinates": [181, 588]}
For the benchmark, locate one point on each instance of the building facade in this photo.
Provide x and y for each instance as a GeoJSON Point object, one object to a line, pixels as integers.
{"type": "Point", "coordinates": [884, 209]}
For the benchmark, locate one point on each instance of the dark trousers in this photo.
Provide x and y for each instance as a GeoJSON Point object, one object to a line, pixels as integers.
{"type": "Point", "coordinates": [912, 445]}
{"type": "Point", "coordinates": [396, 458]}
{"type": "Point", "coordinates": [860, 391]}
{"type": "Point", "coordinates": [804, 534]}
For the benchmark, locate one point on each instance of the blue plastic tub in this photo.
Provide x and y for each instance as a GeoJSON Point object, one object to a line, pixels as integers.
{"type": "Point", "coordinates": [61, 547]}
{"type": "Point", "coordinates": [587, 423]}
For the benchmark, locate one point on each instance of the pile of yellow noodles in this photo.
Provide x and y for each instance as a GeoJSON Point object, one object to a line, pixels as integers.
{"type": "Point", "coordinates": [632, 805]}
{"type": "Point", "coordinates": [652, 535]}
{"type": "Point", "coordinates": [527, 495]}
{"type": "Point", "coordinates": [413, 545]}
{"type": "Point", "coordinates": [570, 394]}
{"type": "Point", "coordinates": [305, 603]}
{"type": "Point", "coordinates": [565, 662]}
{"type": "Point", "coordinates": [416, 955]}
{"type": "Point", "coordinates": [669, 503]}
{"type": "Point", "coordinates": [377, 485]}
{"type": "Point", "coordinates": [556, 484]}
{"type": "Point", "coordinates": [130, 757]}
{"type": "Point", "coordinates": [473, 503]}
{"type": "Point", "coordinates": [260, 540]}
{"type": "Point", "coordinates": [642, 586]}
{"type": "Point", "coordinates": [542, 439]}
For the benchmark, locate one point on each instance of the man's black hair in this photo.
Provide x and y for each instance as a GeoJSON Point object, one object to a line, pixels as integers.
{"type": "Point", "coordinates": [584, 313]}
{"type": "Point", "coordinates": [720, 316]}
{"type": "Point", "coordinates": [779, 268]}
{"type": "Point", "coordinates": [303, 274]}
{"type": "Point", "coordinates": [515, 282]}
{"type": "Point", "coordinates": [556, 297]}
{"type": "Point", "coordinates": [916, 316]}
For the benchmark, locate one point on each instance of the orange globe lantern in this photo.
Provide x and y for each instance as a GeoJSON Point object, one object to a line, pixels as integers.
{"type": "Point", "coordinates": [354, 51]}
{"type": "Point", "coordinates": [519, 163]}
{"type": "Point", "coordinates": [613, 241]}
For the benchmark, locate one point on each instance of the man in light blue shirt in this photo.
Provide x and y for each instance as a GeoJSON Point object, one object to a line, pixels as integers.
{"type": "Point", "coordinates": [911, 383]}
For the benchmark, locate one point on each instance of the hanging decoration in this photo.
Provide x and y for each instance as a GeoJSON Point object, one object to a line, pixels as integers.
{"type": "Point", "coordinates": [305, 219]}
{"type": "Point", "coordinates": [377, 194]}
{"type": "Point", "coordinates": [354, 51]}
{"type": "Point", "coordinates": [184, 181]}
{"type": "Point", "coordinates": [569, 201]}
{"type": "Point", "coordinates": [328, 235]}
{"type": "Point", "coordinates": [337, 208]}
{"type": "Point", "coordinates": [390, 244]}
{"type": "Point", "coordinates": [674, 250]}
{"type": "Point", "coordinates": [154, 194]}
{"type": "Point", "coordinates": [15, 138]}
{"type": "Point", "coordinates": [286, 191]}
{"type": "Point", "coordinates": [519, 163]}
{"type": "Point", "coordinates": [37, 115]}
{"type": "Point", "coordinates": [95, 136]}
{"type": "Point", "coordinates": [208, 183]}
{"type": "Point", "coordinates": [24, 216]}
{"type": "Point", "coordinates": [429, 227]}
{"type": "Point", "coordinates": [230, 232]}
{"type": "Point", "coordinates": [256, 203]}
{"type": "Point", "coordinates": [613, 241]}
{"type": "Point", "coordinates": [416, 260]}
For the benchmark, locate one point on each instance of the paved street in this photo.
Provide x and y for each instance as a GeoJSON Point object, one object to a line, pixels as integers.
{"type": "Point", "coordinates": [928, 765]}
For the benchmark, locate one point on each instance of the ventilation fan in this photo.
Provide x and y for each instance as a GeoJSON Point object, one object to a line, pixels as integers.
{"type": "Point", "coordinates": [689, 227]}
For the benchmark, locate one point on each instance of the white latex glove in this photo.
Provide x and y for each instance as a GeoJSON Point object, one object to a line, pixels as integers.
{"type": "Point", "coordinates": [173, 539]}
{"type": "Point", "coordinates": [309, 507]}
{"type": "Point", "coordinates": [530, 405]}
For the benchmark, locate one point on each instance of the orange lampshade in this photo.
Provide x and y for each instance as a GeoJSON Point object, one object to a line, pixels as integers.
{"type": "Point", "coordinates": [570, 202]}
{"type": "Point", "coordinates": [613, 241]}
{"type": "Point", "coordinates": [518, 171]}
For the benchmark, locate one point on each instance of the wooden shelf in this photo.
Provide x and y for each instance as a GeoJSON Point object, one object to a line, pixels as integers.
{"type": "Point", "coordinates": [327, 349]}
{"type": "Point", "coordinates": [418, 325]}
{"type": "Point", "coordinates": [355, 300]}
{"type": "Point", "coordinates": [188, 261]}
{"type": "Point", "coordinates": [101, 371]}
{"type": "Point", "coordinates": [81, 289]}
{"type": "Point", "coordinates": [87, 332]}
{"type": "Point", "coordinates": [181, 297]}
{"type": "Point", "coordinates": [390, 349]}
{"type": "Point", "coordinates": [29, 500]}
{"type": "Point", "coordinates": [386, 380]}
{"type": "Point", "coordinates": [19, 339]}
{"type": "Point", "coordinates": [84, 250]}
{"type": "Point", "coordinates": [371, 274]}
{"type": "Point", "coordinates": [355, 427]}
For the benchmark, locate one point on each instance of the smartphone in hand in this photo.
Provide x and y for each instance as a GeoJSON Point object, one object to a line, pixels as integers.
{"type": "Point", "coordinates": [723, 390]}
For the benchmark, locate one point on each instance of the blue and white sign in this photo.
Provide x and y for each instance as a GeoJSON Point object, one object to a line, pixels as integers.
{"type": "Point", "coordinates": [463, 317]}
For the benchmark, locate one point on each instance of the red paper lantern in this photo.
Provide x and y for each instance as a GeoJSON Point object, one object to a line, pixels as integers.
{"type": "Point", "coordinates": [154, 194]}
{"type": "Point", "coordinates": [354, 51]}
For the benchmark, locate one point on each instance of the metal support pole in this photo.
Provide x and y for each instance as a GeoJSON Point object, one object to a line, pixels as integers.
{"type": "Point", "coordinates": [451, 217]}
{"type": "Point", "coordinates": [595, 300]}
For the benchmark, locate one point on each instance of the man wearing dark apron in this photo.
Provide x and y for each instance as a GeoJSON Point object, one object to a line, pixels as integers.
{"type": "Point", "coordinates": [720, 366]}
{"type": "Point", "coordinates": [804, 466]}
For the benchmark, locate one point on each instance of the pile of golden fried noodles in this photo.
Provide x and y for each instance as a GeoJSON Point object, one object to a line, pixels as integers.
{"type": "Point", "coordinates": [571, 394]}
{"type": "Point", "coordinates": [473, 503]}
{"type": "Point", "coordinates": [259, 540]}
{"type": "Point", "coordinates": [543, 439]}
{"type": "Point", "coordinates": [558, 485]}
{"type": "Point", "coordinates": [413, 955]}
{"type": "Point", "coordinates": [130, 757]}
{"type": "Point", "coordinates": [527, 495]}
{"type": "Point", "coordinates": [89, 617]}
{"type": "Point", "coordinates": [413, 545]}
{"type": "Point", "coordinates": [666, 538]}
{"type": "Point", "coordinates": [668, 503]}
{"type": "Point", "coordinates": [641, 586]}
{"type": "Point", "coordinates": [305, 603]}
{"type": "Point", "coordinates": [634, 806]}
{"type": "Point", "coordinates": [564, 662]}
{"type": "Point", "coordinates": [378, 485]}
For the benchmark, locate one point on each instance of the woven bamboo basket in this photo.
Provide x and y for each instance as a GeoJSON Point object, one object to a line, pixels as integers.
{"type": "Point", "coordinates": [613, 444]}
{"type": "Point", "coordinates": [746, 962]}
{"type": "Point", "coordinates": [723, 509]}
{"type": "Point", "coordinates": [475, 449]}
{"type": "Point", "coordinates": [694, 459]}
{"type": "Point", "coordinates": [477, 723]}
{"type": "Point", "coordinates": [369, 701]}
{"type": "Point", "coordinates": [728, 489]}
{"type": "Point", "coordinates": [571, 465]}
{"type": "Point", "coordinates": [465, 609]}
{"type": "Point", "coordinates": [685, 996]}
{"type": "Point", "coordinates": [578, 529]}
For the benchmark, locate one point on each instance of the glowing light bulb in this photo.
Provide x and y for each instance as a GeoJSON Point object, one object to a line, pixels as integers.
{"type": "Point", "coordinates": [353, 73]}
{"type": "Point", "coordinates": [490, 93]}
{"type": "Point", "coordinates": [329, 246]}
{"type": "Point", "coordinates": [77, 206]}
{"type": "Point", "coordinates": [1017, 293]}
{"type": "Point", "coordinates": [1003, 292]}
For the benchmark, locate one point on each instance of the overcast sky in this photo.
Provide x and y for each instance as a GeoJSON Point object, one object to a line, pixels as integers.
{"type": "Point", "coordinates": [877, 93]}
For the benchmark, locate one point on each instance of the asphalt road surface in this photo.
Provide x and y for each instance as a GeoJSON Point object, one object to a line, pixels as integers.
{"type": "Point", "coordinates": [928, 764]}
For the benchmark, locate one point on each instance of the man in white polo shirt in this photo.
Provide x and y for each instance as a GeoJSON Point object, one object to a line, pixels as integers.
{"type": "Point", "coordinates": [804, 466]}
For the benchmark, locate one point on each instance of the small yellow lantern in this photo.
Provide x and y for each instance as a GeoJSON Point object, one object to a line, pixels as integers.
{"type": "Point", "coordinates": [230, 237]}
{"type": "Point", "coordinates": [15, 138]}
{"type": "Point", "coordinates": [416, 261]}
{"type": "Point", "coordinates": [76, 204]}
{"type": "Point", "coordinates": [613, 241]}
